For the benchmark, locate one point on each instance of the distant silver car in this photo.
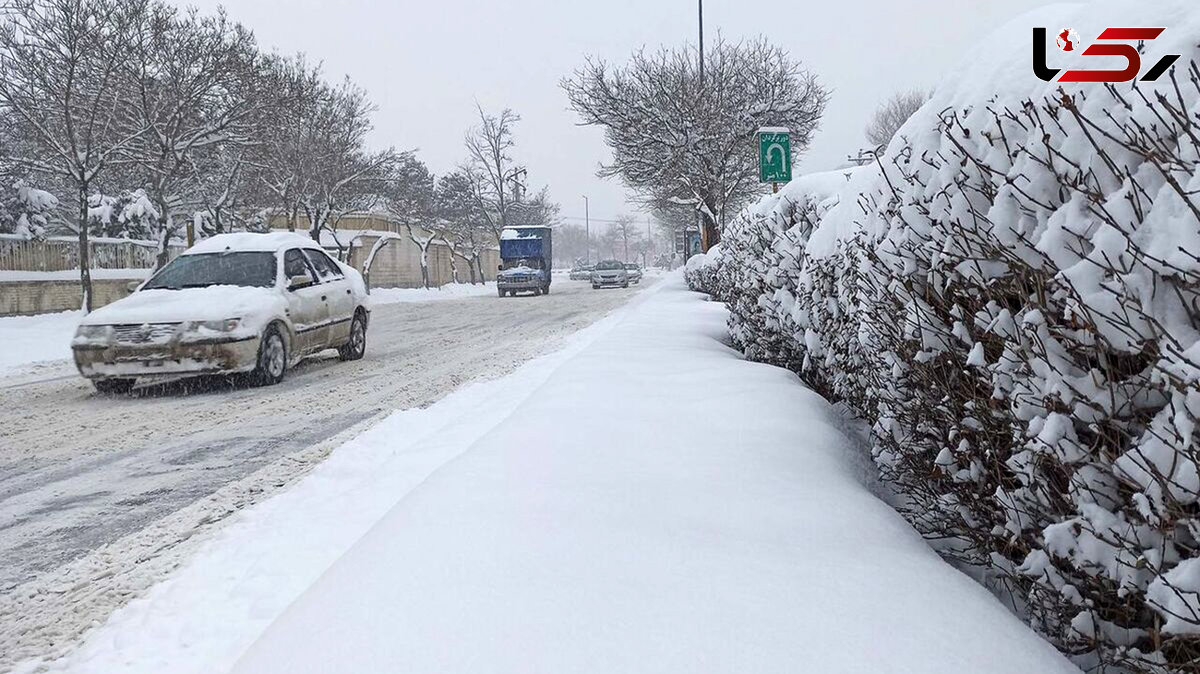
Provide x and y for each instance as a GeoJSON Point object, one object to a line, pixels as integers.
{"type": "Point", "coordinates": [634, 271]}
{"type": "Point", "coordinates": [582, 273]}
{"type": "Point", "coordinates": [234, 303]}
{"type": "Point", "coordinates": [610, 273]}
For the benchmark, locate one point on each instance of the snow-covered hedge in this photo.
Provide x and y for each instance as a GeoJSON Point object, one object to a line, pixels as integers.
{"type": "Point", "coordinates": [1011, 296]}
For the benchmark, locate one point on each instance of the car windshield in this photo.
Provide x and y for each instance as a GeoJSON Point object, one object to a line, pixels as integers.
{"type": "Point", "coordinates": [631, 266]}
{"type": "Point", "coordinates": [241, 268]}
{"type": "Point", "coordinates": [609, 265]}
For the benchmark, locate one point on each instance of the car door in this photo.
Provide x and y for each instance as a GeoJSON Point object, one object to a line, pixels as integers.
{"type": "Point", "coordinates": [338, 295]}
{"type": "Point", "coordinates": [307, 305]}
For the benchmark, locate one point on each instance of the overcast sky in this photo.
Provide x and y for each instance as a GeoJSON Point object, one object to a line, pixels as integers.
{"type": "Point", "coordinates": [426, 63]}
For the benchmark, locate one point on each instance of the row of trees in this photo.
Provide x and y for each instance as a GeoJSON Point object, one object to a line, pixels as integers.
{"type": "Point", "coordinates": [626, 238]}
{"type": "Point", "coordinates": [132, 118]}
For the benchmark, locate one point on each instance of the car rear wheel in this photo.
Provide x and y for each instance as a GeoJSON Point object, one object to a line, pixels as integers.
{"type": "Point", "coordinates": [356, 347]}
{"type": "Point", "coordinates": [272, 358]}
{"type": "Point", "coordinates": [113, 385]}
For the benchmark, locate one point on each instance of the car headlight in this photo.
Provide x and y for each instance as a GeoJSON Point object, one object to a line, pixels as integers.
{"type": "Point", "coordinates": [225, 325]}
{"type": "Point", "coordinates": [92, 331]}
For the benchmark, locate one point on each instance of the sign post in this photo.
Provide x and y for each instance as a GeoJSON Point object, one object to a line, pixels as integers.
{"type": "Point", "coordinates": [774, 156]}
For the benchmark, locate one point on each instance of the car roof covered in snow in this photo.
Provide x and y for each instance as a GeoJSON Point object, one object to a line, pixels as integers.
{"type": "Point", "coordinates": [247, 241]}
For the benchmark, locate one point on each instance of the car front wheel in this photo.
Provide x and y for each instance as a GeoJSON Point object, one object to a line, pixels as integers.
{"type": "Point", "coordinates": [272, 358]}
{"type": "Point", "coordinates": [356, 347]}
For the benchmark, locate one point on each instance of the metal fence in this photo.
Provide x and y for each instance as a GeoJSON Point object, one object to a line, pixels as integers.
{"type": "Point", "coordinates": [62, 253]}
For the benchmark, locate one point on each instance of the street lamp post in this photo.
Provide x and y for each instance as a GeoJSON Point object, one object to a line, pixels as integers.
{"type": "Point", "coordinates": [587, 233]}
{"type": "Point", "coordinates": [704, 238]}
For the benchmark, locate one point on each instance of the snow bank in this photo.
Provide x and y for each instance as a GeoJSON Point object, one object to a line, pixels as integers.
{"type": "Point", "coordinates": [1011, 296]}
{"type": "Point", "coordinates": [29, 340]}
{"type": "Point", "coordinates": [673, 533]}
{"type": "Point", "coordinates": [450, 291]}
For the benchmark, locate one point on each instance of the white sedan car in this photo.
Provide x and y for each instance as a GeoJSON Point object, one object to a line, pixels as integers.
{"type": "Point", "coordinates": [234, 303]}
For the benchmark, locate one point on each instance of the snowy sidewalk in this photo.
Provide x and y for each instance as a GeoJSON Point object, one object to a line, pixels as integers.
{"type": "Point", "coordinates": [643, 501]}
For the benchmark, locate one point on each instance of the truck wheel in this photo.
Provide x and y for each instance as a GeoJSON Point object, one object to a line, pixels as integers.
{"type": "Point", "coordinates": [537, 291]}
{"type": "Point", "coordinates": [546, 290]}
{"type": "Point", "coordinates": [112, 386]}
{"type": "Point", "coordinates": [501, 291]}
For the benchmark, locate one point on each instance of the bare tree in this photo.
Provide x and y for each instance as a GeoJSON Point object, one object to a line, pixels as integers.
{"type": "Point", "coordinates": [627, 232]}
{"type": "Point", "coordinates": [678, 140]}
{"type": "Point", "coordinates": [342, 175]}
{"type": "Point", "coordinates": [194, 92]}
{"type": "Point", "coordinates": [459, 222]}
{"type": "Point", "coordinates": [890, 116]}
{"type": "Point", "coordinates": [65, 85]}
{"type": "Point", "coordinates": [493, 171]}
{"type": "Point", "coordinates": [281, 157]}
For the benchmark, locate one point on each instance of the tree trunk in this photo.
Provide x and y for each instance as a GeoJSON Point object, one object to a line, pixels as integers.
{"type": "Point", "coordinates": [425, 266]}
{"type": "Point", "coordinates": [165, 225]}
{"type": "Point", "coordinates": [85, 259]}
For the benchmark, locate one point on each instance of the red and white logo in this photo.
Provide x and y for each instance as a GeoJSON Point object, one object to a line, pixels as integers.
{"type": "Point", "coordinates": [1111, 42]}
{"type": "Point", "coordinates": [1068, 39]}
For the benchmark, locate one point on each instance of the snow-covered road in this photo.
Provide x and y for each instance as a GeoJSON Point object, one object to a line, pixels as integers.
{"type": "Point", "coordinates": [100, 495]}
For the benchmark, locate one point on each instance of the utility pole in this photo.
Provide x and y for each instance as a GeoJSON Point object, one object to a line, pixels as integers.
{"type": "Point", "coordinates": [587, 233]}
{"type": "Point", "coordinates": [518, 186]}
{"type": "Point", "coordinates": [649, 243]}
{"type": "Point", "coordinates": [701, 12]}
{"type": "Point", "coordinates": [704, 243]}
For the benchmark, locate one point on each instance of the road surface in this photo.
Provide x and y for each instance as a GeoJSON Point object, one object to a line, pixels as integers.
{"type": "Point", "coordinates": [100, 495]}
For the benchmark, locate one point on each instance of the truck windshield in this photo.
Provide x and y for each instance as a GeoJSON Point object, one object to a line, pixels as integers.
{"type": "Point", "coordinates": [530, 262]}
{"type": "Point", "coordinates": [245, 268]}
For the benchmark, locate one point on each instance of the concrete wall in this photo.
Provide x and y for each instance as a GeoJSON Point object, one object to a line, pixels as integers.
{"type": "Point", "coordinates": [398, 263]}
{"type": "Point", "coordinates": [40, 297]}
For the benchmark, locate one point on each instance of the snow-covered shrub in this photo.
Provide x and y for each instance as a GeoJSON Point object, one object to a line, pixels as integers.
{"type": "Point", "coordinates": [130, 215]}
{"type": "Point", "coordinates": [1011, 296]}
{"type": "Point", "coordinates": [26, 210]}
{"type": "Point", "coordinates": [700, 269]}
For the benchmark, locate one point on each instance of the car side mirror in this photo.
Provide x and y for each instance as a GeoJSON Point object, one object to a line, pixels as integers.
{"type": "Point", "coordinates": [499, 267]}
{"type": "Point", "coordinates": [297, 282]}
{"type": "Point", "coordinates": [132, 286]}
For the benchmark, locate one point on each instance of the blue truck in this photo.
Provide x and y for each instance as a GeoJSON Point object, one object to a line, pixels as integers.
{"type": "Point", "coordinates": [525, 260]}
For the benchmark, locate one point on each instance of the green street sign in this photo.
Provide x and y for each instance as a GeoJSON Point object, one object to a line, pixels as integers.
{"type": "Point", "coordinates": [774, 156]}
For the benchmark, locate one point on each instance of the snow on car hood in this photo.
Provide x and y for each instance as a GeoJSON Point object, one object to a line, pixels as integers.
{"type": "Point", "coordinates": [190, 304]}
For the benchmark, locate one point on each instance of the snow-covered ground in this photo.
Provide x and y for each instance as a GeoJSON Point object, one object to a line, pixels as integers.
{"type": "Point", "coordinates": [450, 291]}
{"type": "Point", "coordinates": [634, 502]}
{"type": "Point", "coordinates": [29, 340]}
